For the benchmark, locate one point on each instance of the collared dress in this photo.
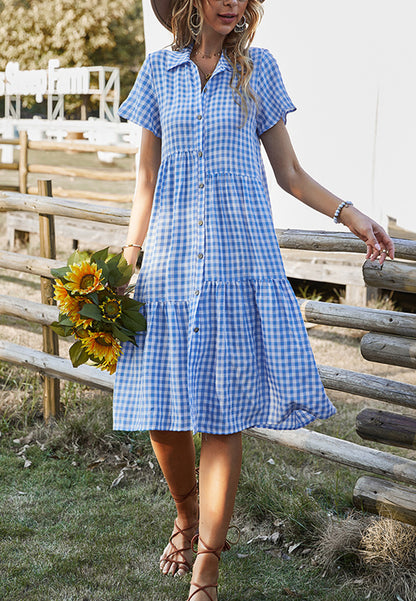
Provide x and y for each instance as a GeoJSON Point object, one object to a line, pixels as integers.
{"type": "Point", "coordinates": [225, 347]}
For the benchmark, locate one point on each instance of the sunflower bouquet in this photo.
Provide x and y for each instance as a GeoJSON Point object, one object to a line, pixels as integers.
{"type": "Point", "coordinates": [91, 310]}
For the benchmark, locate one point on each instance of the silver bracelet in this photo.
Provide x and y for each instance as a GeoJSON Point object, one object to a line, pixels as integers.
{"type": "Point", "coordinates": [129, 245]}
{"type": "Point", "coordinates": [343, 204]}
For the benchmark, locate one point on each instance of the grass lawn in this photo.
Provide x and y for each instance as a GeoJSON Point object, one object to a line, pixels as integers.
{"type": "Point", "coordinates": [69, 533]}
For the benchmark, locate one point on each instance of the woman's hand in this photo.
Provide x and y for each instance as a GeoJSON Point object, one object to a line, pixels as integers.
{"type": "Point", "coordinates": [368, 230]}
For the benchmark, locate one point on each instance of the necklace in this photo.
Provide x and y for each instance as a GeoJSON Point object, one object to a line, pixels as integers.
{"type": "Point", "coordinates": [202, 55]}
{"type": "Point", "coordinates": [206, 75]}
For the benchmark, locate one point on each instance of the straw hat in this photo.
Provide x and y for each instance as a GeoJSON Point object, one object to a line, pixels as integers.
{"type": "Point", "coordinates": [161, 9]}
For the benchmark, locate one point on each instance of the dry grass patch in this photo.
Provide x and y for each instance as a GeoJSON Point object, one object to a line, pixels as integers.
{"type": "Point", "coordinates": [375, 552]}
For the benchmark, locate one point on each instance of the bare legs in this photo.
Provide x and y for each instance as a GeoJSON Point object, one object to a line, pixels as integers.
{"type": "Point", "coordinates": [219, 473]}
{"type": "Point", "coordinates": [175, 453]}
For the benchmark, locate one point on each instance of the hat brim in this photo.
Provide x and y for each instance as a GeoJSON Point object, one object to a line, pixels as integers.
{"type": "Point", "coordinates": [161, 8]}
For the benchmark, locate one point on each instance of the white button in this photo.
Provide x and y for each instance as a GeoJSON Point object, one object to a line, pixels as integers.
{"type": "Point", "coordinates": [200, 222]}
{"type": "Point", "coordinates": [196, 292]}
{"type": "Point", "coordinates": [199, 117]}
{"type": "Point", "coordinates": [201, 185]}
{"type": "Point", "coordinates": [200, 153]}
{"type": "Point", "coordinates": [200, 256]}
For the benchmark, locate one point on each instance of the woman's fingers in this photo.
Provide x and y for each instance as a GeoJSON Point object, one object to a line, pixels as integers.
{"type": "Point", "coordinates": [379, 243]}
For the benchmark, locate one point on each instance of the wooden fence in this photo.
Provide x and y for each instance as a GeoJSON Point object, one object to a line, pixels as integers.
{"type": "Point", "coordinates": [23, 167]}
{"type": "Point", "coordinates": [390, 338]}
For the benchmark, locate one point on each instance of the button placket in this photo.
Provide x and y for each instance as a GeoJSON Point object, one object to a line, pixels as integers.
{"type": "Point", "coordinates": [200, 209]}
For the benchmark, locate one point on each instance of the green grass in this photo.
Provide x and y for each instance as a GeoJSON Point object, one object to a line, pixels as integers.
{"type": "Point", "coordinates": [67, 534]}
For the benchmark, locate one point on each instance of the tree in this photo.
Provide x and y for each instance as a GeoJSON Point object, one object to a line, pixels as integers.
{"type": "Point", "coordinates": [81, 33]}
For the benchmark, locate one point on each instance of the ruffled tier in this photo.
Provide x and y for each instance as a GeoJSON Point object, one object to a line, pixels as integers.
{"type": "Point", "coordinates": [238, 357]}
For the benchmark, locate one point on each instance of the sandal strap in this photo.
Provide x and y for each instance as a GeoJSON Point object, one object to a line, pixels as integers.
{"type": "Point", "coordinates": [182, 498]}
{"type": "Point", "coordinates": [216, 552]}
{"type": "Point", "coordinates": [202, 588]}
{"type": "Point", "coordinates": [226, 547]}
{"type": "Point", "coordinates": [184, 561]}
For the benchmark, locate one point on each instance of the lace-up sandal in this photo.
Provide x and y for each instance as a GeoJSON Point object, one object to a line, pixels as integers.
{"type": "Point", "coordinates": [217, 552]}
{"type": "Point", "coordinates": [182, 562]}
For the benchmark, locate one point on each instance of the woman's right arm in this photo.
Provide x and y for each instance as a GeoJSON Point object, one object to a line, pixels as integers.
{"type": "Point", "coordinates": [150, 156]}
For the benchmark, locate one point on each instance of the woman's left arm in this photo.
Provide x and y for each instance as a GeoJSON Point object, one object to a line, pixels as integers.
{"type": "Point", "coordinates": [294, 180]}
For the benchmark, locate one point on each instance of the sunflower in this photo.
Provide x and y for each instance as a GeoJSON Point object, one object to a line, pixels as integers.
{"type": "Point", "coordinates": [110, 367]}
{"type": "Point", "coordinates": [111, 309]}
{"type": "Point", "coordinates": [84, 278]}
{"type": "Point", "coordinates": [63, 297]}
{"type": "Point", "coordinates": [103, 347]}
{"type": "Point", "coordinates": [74, 314]}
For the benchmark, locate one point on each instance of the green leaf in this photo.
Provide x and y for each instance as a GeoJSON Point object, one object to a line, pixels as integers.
{"type": "Point", "coordinates": [100, 255]}
{"type": "Point", "coordinates": [120, 334]}
{"type": "Point", "coordinates": [105, 271]}
{"type": "Point", "coordinates": [131, 303]}
{"type": "Point", "coordinates": [78, 354]}
{"type": "Point", "coordinates": [65, 320]}
{"type": "Point", "coordinates": [134, 325]}
{"type": "Point", "coordinates": [60, 272]}
{"type": "Point", "coordinates": [93, 296]}
{"type": "Point", "coordinates": [62, 330]}
{"type": "Point", "coordinates": [74, 258]}
{"type": "Point", "coordinates": [91, 311]}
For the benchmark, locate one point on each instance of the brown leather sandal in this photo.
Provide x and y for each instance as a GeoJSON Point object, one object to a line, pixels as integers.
{"type": "Point", "coordinates": [217, 553]}
{"type": "Point", "coordinates": [183, 564]}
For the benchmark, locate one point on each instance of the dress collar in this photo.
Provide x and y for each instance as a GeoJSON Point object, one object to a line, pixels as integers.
{"type": "Point", "coordinates": [179, 57]}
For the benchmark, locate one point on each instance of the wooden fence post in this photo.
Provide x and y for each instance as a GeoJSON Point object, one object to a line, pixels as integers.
{"type": "Point", "coordinates": [23, 143]}
{"type": "Point", "coordinates": [51, 391]}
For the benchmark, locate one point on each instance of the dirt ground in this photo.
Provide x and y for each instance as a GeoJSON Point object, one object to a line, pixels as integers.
{"type": "Point", "coordinates": [338, 347]}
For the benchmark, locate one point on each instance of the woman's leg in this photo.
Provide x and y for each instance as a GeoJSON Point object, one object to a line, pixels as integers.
{"type": "Point", "coordinates": [219, 473]}
{"type": "Point", "coordinates": [175, 452]}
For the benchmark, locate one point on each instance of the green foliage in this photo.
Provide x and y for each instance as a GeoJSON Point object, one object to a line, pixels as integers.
{"type": "Point", "coordinates": [116, 317]}
{"type": "Point", "coordinates": [83, 33]}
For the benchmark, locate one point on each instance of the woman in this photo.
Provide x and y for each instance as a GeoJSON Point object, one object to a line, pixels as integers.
{"type": "Point", "coordinates": [225, 347]}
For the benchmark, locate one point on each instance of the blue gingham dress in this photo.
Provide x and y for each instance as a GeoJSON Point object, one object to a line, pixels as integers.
{"type": "Point", "coordinates": [225, 347]}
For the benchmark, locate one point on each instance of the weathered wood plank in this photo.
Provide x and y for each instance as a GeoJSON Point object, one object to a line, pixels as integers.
{"type": "Point", "coordinates": [55, 366]}
{"type": "Point", "coordinates": [359, 318]}
{"type": "Point", "coordinates": [79, 146]}
{"type": "Point", "coordinates": [28, 263]}
{"type": "Point", "coordinates": [342, 451]}
{"type": "Point", "coordinates": [9, 166]}
{"type": "Point", "coordinates": [366, 385]}
{"type": "Point", "coordinates": [51, 390]}
{"type": "Point", "coordinates": [386, 427]}
{"type": "Point", "coordinates": [95, 174]}
{"type": "Point", "coordinates": [338, 242]}
{"type": "Point", "coordinates": [103, 235]}
{"type": "Point", "coordinates": [29, 310]}
{"type": "Point", "coordinates": [385, 498]}
{"type": "Point", "coordinates": [59, 192]}
{"type": "Point", "coordinates": [393, 275]}
{"type": "Point", "coordinates": [23, 141]}
{"type": "Point", "coordinates": [12, 201]}
{"type": "Point", "coordinates": [390, 349]}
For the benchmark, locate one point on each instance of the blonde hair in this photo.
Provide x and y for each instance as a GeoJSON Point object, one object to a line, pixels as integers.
{"type": "Point", "coordinates": [235, 44]}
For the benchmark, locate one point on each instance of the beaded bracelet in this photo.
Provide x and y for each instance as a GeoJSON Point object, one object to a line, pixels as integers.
{"type": "Point", "coordinates": [129, 245]}
{"type": "Point", "coordinates": [343, 204]}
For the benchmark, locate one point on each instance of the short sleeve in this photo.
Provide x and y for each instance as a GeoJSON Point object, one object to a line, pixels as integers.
{"type": "Point", "coordinates": [141, 105]}
{"type": "Point", "coordinates": [274, 101]}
